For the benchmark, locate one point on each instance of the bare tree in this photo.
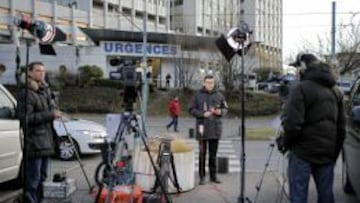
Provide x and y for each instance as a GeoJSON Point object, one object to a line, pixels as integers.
{"type": "Point", "coordinates": [185, 63]}
{"type": "Point", "coordinates": [347, 45]}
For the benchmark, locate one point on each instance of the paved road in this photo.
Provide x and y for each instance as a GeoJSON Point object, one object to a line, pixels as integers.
{"type": "Point", "coordinates": [156, 125]}
{"type": "Point", "coordinates": [257, 155]}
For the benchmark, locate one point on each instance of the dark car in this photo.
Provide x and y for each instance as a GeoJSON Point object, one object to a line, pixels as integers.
{"type": "Point", "coordinates": [351, 152]}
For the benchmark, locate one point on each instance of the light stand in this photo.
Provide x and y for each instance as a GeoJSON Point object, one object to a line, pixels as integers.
{"type": "Point", "coordinates": [237, 41]}
{"type": "Point", "coordinates": [46, 34]}
{"type": "Point", "coordinates": [25, 125]}
{"type": "Point", "coordinates": [242, 198]}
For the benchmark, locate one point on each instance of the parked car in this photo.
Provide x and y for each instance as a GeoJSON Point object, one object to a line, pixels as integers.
{"type": "Point", "coordinates": [86, 135]}
{"type": "Point", "coordinates": [351, 149]}
{"type": "Point", "coordinates": [344, 86]}
{"type": "Point", "coordinates": [10, 138]}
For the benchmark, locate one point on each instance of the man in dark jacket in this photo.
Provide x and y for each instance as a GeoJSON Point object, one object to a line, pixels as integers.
{"type": "Point", "coordinates": [39, 142]}
{"type": "Point", "coordinates": [314, 125]}
{"type": "Point", "coordinates": [208, 106]}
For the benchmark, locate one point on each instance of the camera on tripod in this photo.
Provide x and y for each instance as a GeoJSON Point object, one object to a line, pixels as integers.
{"type": "Point", "coordinates": [129, 77]}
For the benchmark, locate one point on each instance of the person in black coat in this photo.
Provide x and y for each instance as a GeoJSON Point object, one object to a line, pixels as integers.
{"type": "Point", "coordinates": [208, 106]}
{"type": "Point", "coordinates": [39, 139]}
{"type": "Point", "coordinates": [314, 125]}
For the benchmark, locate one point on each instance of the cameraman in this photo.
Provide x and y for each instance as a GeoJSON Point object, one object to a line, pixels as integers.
{"type": "Point", "coordinates": [314, 125]}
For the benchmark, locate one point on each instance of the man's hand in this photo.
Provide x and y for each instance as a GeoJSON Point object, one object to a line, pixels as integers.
{"type": "Point", "coordinates": [207, 114]}
{"type": "Point", "coordinates": [281, 145]}
{"type": "Point", "coordinates": [57, 114]}
{"type": "Point", "coordinates": [217, 112]}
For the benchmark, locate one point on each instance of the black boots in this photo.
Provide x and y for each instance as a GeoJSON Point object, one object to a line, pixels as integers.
{"type": "Point", "coordinates": [212, 179]}
{"type": "Point", "coordinates": [215, 180]}
{"type": "Point", "coordinates": [202, 181]}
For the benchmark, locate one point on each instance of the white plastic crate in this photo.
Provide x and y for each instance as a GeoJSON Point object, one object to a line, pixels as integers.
{"type": "Point", "coordinates": [59, 189]}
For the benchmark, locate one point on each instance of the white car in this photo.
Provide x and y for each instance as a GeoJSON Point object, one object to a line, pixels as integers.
{"type": "Point", "coordinates": [10, 138]}
{"type": "Point", "coordinates": [86, 135]}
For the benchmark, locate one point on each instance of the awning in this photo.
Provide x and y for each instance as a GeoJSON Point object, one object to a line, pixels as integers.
{"type": "Point", "coordinates": [74, 32]}
{"type": "Point", "coordinates": [186, 41]}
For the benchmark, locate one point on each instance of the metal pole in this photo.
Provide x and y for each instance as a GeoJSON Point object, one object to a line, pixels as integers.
{"type": "Point", "coordinates": [25, 125]}
{"type": "Point", "coordinates": [333, 31]}
{"type": "Point", "coordinates": [145, 83]}
{"type": "Point", "coordinates": [168, 16]}
{"type": "Point", "coordinates": [242, 128]}
{"type": "Point", "coordinates": [242, 198]}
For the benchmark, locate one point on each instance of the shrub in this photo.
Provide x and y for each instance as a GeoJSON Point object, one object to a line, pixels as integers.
{"type": "Point", "coordinates": [108, 83]}
{"type": "Point", "coordinates": [89, 73]}
{"type": "Point", "coordinates": [256, 104]}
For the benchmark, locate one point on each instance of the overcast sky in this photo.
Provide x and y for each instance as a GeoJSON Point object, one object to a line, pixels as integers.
{"type": "Point", "coordinates": [307, 19]}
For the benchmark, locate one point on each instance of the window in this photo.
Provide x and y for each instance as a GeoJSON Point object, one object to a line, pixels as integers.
{"type": "Point", "coordinates": [7, 107]}
{"type": "Point", "coordinates": [355, 93]}
{"type": "Point", "coordinates": [2, 69]}
{"type": "Point", "coordinates": [179, 2]}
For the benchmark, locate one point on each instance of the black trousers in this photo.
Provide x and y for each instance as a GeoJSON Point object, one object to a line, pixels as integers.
{"type": "Point", "coordinates": [212, 145]}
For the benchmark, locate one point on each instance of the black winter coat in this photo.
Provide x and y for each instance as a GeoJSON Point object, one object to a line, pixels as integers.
{"type": "Point", "coordinates": [314, 117]}
{"type": "Point", "coordinates": [39, 140]}
{"type": "Point", "coordinates": [202, 101]}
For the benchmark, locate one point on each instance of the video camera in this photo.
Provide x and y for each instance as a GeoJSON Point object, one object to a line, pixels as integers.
{"type": "Point", "coordinates": [130, 79]}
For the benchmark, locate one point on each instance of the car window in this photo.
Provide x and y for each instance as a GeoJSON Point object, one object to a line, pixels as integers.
{"type": "Point", "coordinates": [344, 84]}
{"type": "Point", "coordinates": [6, 106]}
{"type": "Point", "coordinates": [355, 94]}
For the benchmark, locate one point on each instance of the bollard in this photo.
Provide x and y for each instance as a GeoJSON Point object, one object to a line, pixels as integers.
{"type": "Point", "coordinates": [191, 132]}
{"type": "Point", "coordinates": [222, 165]}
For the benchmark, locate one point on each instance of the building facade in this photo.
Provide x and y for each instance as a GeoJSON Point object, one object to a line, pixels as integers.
{"type": "Point", "coordinates": [204, 17]}
{"type": "Point", "coordinates": [180, 34]}
{"type": "Point", "coordinates": [265, 19]}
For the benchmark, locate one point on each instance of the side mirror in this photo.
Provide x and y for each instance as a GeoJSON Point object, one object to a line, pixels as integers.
{"type": "Point", "coordinates": [6, 112]}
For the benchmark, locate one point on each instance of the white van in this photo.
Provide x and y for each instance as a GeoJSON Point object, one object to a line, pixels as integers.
{"type": "Point", "coordinates": [10, 138]}
{"type": "Point", "coordinates": [251, 80]}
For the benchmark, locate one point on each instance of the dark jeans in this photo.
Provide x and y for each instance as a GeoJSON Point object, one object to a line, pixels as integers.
{"type": "Point", "coordinates": [174, 121]}
{"type": "Point", "coordinates": [35, 174]}
{"type": "Point", "coordinates": [299, 172]}
{"type": "Point", "coordinates": [213, 146]}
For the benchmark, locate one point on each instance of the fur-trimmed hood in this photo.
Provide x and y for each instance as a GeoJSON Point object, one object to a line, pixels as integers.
{"type": "Point", "coordinates": [32, 84]}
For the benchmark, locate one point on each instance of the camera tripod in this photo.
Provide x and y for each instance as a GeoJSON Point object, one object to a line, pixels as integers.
{"type": "Point", "coordinates": [117, 150]}
{"type": "Point", "coordinates": [281, 180]}
{"type": "Point", "coordinates": [165, 161]}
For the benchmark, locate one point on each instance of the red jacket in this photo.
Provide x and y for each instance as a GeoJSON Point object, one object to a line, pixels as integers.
{"type": "Point", "coordinates": [174, 107]}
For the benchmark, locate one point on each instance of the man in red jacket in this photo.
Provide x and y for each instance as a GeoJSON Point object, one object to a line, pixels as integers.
{"type": "Point", "coordinates": [174, 110]}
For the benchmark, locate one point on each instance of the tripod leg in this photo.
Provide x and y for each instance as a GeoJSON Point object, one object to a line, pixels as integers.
{"type": "Point", "coordinates": [258, 186]}
{"type": "Point", "coordinates": [156, 170]}
{"type": "Point", "coordinates": [158, 161]}
{"type": "Point", "coordinates": [175, 182]}
{"type": "Point", "coordinates": [77, 156]}
{"type": "Point", "coordinates": [165, 172]}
